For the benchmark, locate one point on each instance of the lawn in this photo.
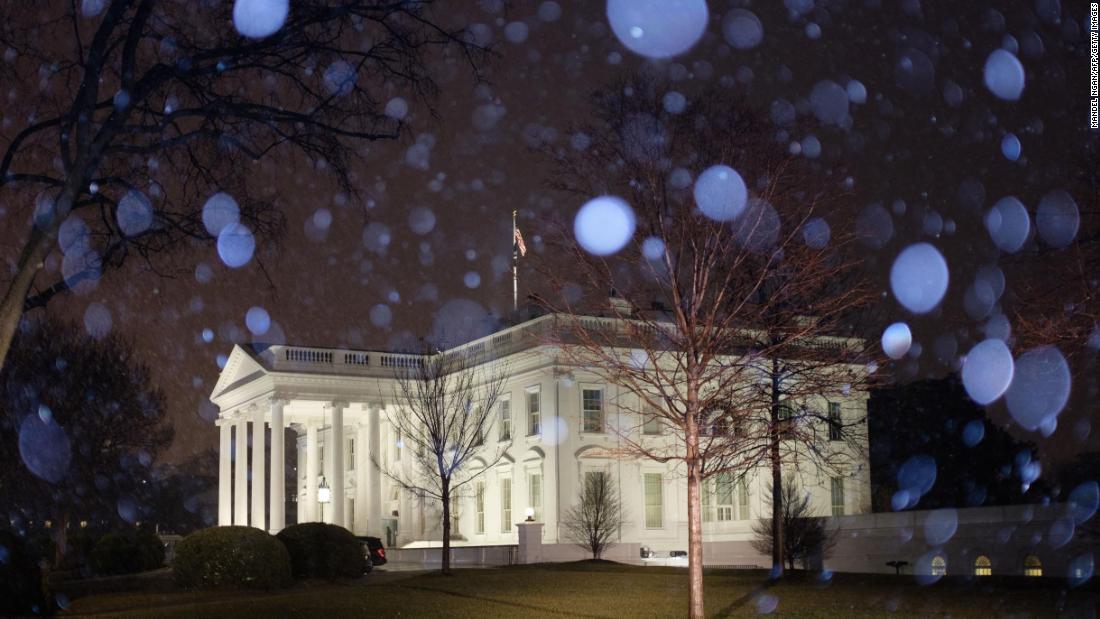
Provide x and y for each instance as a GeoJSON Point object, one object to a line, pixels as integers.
{"type": "Point", "coordinates": [586, 589]}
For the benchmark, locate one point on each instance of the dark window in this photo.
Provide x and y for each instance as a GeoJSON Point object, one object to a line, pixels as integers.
{"type": "Point", "coordinates": [835, 423]}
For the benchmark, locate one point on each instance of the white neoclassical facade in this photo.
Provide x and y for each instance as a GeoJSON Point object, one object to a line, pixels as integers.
{"type": "Point", "coordinates": [337, 404]}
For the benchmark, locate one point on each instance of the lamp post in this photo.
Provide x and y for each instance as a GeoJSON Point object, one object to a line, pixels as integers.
{"type": "Point", "coordinates": [324, 496]}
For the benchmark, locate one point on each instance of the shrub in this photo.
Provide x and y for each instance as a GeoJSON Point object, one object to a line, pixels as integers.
{"type": "Point", "coordinates": [319, 550]}
{"type": "Point", "coordinates": [231, 557]}
{"type": "Point", "coordinates": [78, 552]}
{"type": "Point", "coordinates": [21, 588]}
{"type": "Point", "coordinates": [127, 552]}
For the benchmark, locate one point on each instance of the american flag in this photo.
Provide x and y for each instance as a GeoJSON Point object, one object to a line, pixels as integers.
{"type": "Point", "coordinates": [518, 243]}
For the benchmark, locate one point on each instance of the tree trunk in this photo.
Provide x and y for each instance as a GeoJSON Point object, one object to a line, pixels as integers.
{"type": "Point", "coordinates": [31, 259]}
{"type": "Point", "coordinates": [695, 525]}
{"type": "Point", "coordinates": [61, 540]}
{"type": "Point", "coordinates": [777, 477]}
{"type": "Point", "coordinates": [445, 565]}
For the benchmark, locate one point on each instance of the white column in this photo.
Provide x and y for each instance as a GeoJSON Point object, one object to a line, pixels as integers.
{"type": "Point", "coordinates": [312, 465]}
{"type": "Point", "coordinates": [324, 510]}
{"type": "Point", "coordinates": [300, 513]}
{"type": "Point", "coordinates": [259, 480]}
{"type": "Point", "coordinates": [277, 512]}
{"type": "Point", "coordinates": [362, 476]}
{"type": "Point", "coordinates": [240, 485]}
{"type": "Point", "coordinates": [225, 473]}
{"type": "Point", "coordinates": [337, 457]}
{"type": "Point", "coordinates": [374, 479]}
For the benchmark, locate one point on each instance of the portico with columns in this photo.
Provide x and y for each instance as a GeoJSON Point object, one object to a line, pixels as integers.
{"type": "Point", "coordinates": [257, 409]}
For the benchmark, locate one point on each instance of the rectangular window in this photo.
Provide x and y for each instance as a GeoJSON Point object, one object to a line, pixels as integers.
{"type": "Point", "coordinates": [350, 460]}
{"type": "Point", "coordinates": [506, 504]}
{"type": "Point", "coordinates": [652, 423]}
{"type": "Point", "coordinates": [785, 412]}
{"type": "Point", "coordinates": [592, 410]}
{"type": "Point", "coordinates": [834, 421]}
{"type": "Point", "coordinates": [786, 420]}
{"type": "Point", "coordinates": [505, 419]}
{"type": "Point", "coordinates": [534, 493]}
{"type": "Point", "coordinates": [743, 499]}
{"type": "Point", "coordinates": [654, 502]}
{"type": "Point", "coordinates": [397, 445]}
{"type": "Point", "coordinates": [534, 413]}
{"type": "Point", "coordinates": [479, 508]}
{"type": "Point", "coordinates": [708, 500]}
{"type": "Point", "coordinates": [724, 496]}
{"type": "Point", "coordinates": [591, 477]}
{"type": "Point", "coordinates": [838, 496]}
{"type": "Point", "coordinates": [479, 431]}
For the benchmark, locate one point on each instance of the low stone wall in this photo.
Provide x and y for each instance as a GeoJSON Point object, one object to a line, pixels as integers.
{"type": "Point", "coordinates": [461, 556]}
{"type": "Point", "coordinates": [1006, 536]}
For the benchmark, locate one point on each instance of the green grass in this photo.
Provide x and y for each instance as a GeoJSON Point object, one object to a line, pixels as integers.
{"type": "Point", "coordinates": [611, 590]}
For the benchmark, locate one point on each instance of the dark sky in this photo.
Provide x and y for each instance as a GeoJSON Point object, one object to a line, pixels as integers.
{"type": "Point", "coordinates": [907, 147]}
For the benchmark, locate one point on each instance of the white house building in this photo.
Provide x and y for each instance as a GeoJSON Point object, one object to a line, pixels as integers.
{"type": "Point", "coordinates": [337, 404]}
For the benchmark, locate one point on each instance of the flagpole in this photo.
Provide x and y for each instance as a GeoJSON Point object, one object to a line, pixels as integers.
{"type": "Point", "coordinates": [515, 266]}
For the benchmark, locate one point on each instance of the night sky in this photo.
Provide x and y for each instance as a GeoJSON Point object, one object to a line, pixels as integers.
{"type": "Point", "coordinates": [367, 270]}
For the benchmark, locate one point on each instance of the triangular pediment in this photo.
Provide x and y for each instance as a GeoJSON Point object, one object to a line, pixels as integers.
{"type": "Point", "coordinates": [241, 367]}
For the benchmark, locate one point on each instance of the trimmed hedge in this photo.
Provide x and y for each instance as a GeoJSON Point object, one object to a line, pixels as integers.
{"type": "Point", "coordinates": [127, 552]}
{"type": "Point", "coordinates": [319, 550]}
{"type": "Point", "coordinates": [231, 557]}
{"type": "Point", "coordinates": [21, 587]}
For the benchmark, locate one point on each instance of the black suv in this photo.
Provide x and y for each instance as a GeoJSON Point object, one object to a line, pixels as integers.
{"type": "Point", "coordinates": [373, 550]}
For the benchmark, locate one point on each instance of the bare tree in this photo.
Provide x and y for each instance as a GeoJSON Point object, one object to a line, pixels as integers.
{"type": "Point", "coordinates": [692, 296]}
{"type": "Point", "coordinates": [1054, 295]}
{"type": "Point", "coordinates": [136, 114]}
{"type": "Point", "coordinates": [595, 521]}
{"type": "Point", "coordinates": [446, 402]}
{"type": "Point", "coordinates": [807, 536]}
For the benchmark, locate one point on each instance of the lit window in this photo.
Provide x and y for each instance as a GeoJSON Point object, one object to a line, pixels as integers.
{"type": "Point", "coordinates": [939, 566]}
{"type": "Point", "coordinates": [534, 416]}
{"type": "Point", "coordinates": [835, 423]}
{"type": "Point", "coordinates": [654, 503]}
{"type": "Point", "coordinates": [838, 496]}
{"type": "Point", "coordinates": [592, 410]}
{"type": "Point", "coordinates": [506, 504]}
{"type": "Point", "coordinates": [505, 419]}
{"type": "Point", "coordinates": [479, 508]}
{"type": "Point", "coordinates": [1033, 566]}
{"type": "Point", "coordinates": [983, 566]}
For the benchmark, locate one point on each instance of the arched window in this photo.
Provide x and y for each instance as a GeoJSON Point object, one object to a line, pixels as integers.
{"type": "Point", "coordinates": [939, 566]}
{"type": "Point", "coordinates": [983, 566]}
{"type": "Point", "coordinates": [1033, 566]}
